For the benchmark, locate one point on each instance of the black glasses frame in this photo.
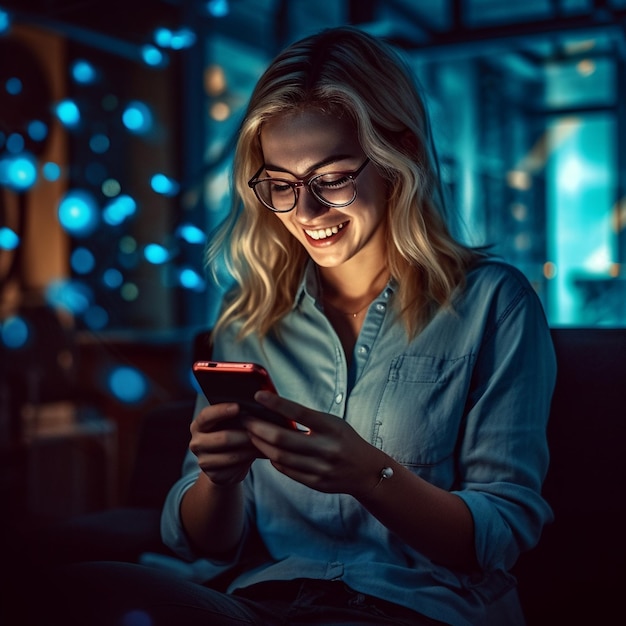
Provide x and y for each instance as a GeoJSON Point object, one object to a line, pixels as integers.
{"type": "Point", "coordinates": [306, 182]}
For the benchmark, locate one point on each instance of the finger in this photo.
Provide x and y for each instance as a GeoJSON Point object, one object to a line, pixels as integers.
{"type": "Point", "coordinates": [210, 417]}
{"type": "Point", "coordinates": [292, 410]}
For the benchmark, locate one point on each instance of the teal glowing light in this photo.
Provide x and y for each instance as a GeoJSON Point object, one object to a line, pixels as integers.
{"type": "Point", "coordinates": [82, 261]}
{"type": "Point", "coordinates": [96, 318]}
{"type": "Point", "coordinates": [128, 384]}
{"type": "Point", "coordinates": [218, 8]}
{"type": "Point", "coordinates": [68, 113]}
{"type": "Point", "coordinates": [156, 254]}
{"type": "Point", "coordinates": [78, 213]}
{"type": "Point", "coordinates": [18, 172]}
{"type": "Point", "coordinates": [99, 143]}
{"type": "Point", "coordinates": [37, 130]}
{"type": "Point", "coordinates": [151, 55]}
{"type": "Point", "coordinates": [5, 21]}
{"type": "Point", "coordinates": [190, 279]}
{"type": "Point", "coordinates": [70, 295]}
{"type": "Point", "coordinates": [14, 332]}
{"type": "Point", "coordinates": [164, 185]}
{"type": "Point", "coordinates": [13, 86]}
{"type": "Point", "coordinates": [15, 143]}
{"type": "Point", "coordinates": [51, 171]}
{"type": "Point", "coordinates": [137, 117]}
{"type": "Point", "coordinates": [8, 239]}
{"type": "Point", "coordinates": [191, 234]}
{"type": "Point", "coordinates": [112, 278]}
{"type": "Point", "coordinates": [83, 72]}
{"type": "Point", "coordinates": [118, 209]}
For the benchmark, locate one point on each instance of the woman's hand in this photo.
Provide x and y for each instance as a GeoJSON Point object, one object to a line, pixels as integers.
{"type": "Point", "coordinates": [222, 445]}
{"type": "Point", "coordinates": [331, 457]}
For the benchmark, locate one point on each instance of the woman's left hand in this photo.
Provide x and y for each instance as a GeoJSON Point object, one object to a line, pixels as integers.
{"type": "Point", "coordinates": [331, 457]}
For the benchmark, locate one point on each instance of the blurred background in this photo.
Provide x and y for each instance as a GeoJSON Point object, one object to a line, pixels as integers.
{"type": "Point", "coordinates": [117, 126]}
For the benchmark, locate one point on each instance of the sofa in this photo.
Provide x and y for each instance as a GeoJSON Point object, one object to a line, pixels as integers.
{"type": "Point", "coordinates": [574, 576]}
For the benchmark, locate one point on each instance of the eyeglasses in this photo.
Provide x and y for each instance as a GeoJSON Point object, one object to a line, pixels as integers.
{"type": "Point", "coordinates": [334, 189]}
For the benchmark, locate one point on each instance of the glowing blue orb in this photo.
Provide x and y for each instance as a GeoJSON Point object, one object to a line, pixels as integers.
{"type": "Point", "coordinates": [137, 117]}
{"type": "Point", "coordinates": [78, 213]}
{"type": "Point", "coordinates": [83, 72]}
{"type": "Point", "coordinates": [51, 171]}
{"type": "Point", "coordinates": [163, 37]}
{"type": "Point", "coordinates": [18, 171]}
{"type": "Point", "coordinates": [164, 185]}
{"type": "Point", "coordinates": [112, 278]}
{"type": "Point", "coordinates": [70, 295]}
{"type": "Point", "coordinates": [218, 8]}
{"type": "Point", "coordinates": [68, 113]}
{"type": "Point", "coordinates": [191, 234]}
{"type": "Point", "coordinates": [190, 279]}
{"type": "Point", "coordinates": [128, 384]}
{"type": "Point", "coordinates": [5, 22]}
{"type": "Point", "coordinates": [151, 55]}
{"type": "Point", "coordinates": [15, 143]}
{"type": "Point", "coordinates": [156, 254]}
{"type": "Point", "coordinates": [8, 239]}
{"type": "Point", "coordinates": [37, 130]}
{"type": "Point", "coordinates": [184, 38]}
{"type": "Point", "coordinates": [13, 86]}
{"type": "Point", "coordinates": [99, 143]}
{"type": "Point", "coordinates": [118, 209]}
{"type": "Point", "coordinates": [96, 318]}
{"type": "Point", "coordinates": [82, 261]}
{"type": "Point", "coordinates": [14, 332]}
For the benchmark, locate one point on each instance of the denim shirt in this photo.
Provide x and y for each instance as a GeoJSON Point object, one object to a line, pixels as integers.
{"type": "Point", "coordinates": [464, 405]}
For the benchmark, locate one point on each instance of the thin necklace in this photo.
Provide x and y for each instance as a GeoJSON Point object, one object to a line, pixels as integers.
{"type": "Point", "coordinates": [349, 313]}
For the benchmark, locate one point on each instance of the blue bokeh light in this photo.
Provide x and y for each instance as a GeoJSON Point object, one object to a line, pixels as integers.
{"type": "Point", "coordinates": [191, 234]}
{"type": "Point", "coordinates": [96, 318]}
{"type": "Point", "coordinates": [68, 113]}
{"type": "Point", "coordinates": [18, 172]}
{"type": "Point", "coordinates": [118, 209]}
{"type": "Point", "coordinates": [128, 384]}
{"type": "Point", "coordinates": [218, 8]}
{"type": "Point", "coordinates": [78, 213]}
{"type": "Point", "coordinates": [99, 143]}
{"type": "Point", "coordinates": [70, 295]}
{"type": "Point", "coordinates": [8, 239]}
{"type": "Point", "coordinates": [83, 72]}
{"type": "Point", "coordinates": [37, 130]}
{"type": "Point", "coordinates": [51, 171]}
{"type": "Point", "coordinates": [156, 254]}
{"type": "Point", "coordinates": [112, 278]}
{"type": "Point", "coordinates": [190, 279]}
{"type": "Point", "coordinates": [14, 86]}
{"type": "Point", "coordinates": [14, 332]}
{"type": "Point", "coordinates": [137, 117]}
{"type": "Point", "coordinates": [82, 260]}
{"type": "Point", "coordinates": [164, 185]}
{"type": "Point", "coordinates": [5, 21]}
{"type": "Point", "coordinates": [15, 143]}
{"type": "Point", "coordinates": [152, 56]}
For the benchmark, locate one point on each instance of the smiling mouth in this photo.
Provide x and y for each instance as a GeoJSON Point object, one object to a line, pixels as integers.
{"type": "Point", "coordinates": [324, 233]}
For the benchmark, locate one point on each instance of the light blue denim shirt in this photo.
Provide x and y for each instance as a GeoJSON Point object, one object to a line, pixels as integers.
{"type": "Point", "coordinates": [464, 405]}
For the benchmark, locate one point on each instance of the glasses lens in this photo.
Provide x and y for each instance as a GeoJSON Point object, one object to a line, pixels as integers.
{"type": "Point", "coordinates": [277, 194]}
{"type": "Point", "coordinates": [335, 189]}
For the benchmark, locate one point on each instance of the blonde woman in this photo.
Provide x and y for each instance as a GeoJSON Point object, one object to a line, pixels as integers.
{"type": "Point", "coordinates": [420, 369]}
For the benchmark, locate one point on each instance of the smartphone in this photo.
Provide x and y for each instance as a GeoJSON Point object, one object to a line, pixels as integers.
{"type": "Point", "coordinates": [229, 381]}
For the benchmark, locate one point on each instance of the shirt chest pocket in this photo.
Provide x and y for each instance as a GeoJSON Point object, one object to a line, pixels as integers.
{"type": "Point", "coordinates": [420, 411]}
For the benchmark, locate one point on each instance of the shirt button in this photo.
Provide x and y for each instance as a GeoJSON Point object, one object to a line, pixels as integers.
{"type": "Point", "coordinates": [338, 398]}
{"type": "Point", "coordinates": [363, 349]}
{"type": "Point", "coordinates": [380, 307]}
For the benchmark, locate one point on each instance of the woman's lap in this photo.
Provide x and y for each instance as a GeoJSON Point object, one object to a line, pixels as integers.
{"type": "Point", "coordinates": [124, 594]}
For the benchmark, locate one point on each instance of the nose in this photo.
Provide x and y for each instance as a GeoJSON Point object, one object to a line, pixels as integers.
{"type": "Point", "coordinates": [307, 205]}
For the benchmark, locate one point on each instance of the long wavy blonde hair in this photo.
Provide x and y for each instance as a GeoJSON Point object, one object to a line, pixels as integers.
{"type": "Point", "coordinates": [346, 72]}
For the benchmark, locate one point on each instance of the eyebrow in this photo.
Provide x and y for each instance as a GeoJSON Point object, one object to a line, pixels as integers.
{"type": "Point", "coordinates": [332, 159]}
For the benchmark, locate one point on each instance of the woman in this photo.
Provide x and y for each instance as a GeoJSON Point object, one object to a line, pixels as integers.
{"type": "Point", "coordinates": [421, 370]}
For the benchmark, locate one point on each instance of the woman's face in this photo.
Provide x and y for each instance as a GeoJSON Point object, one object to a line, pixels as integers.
{"type": "Point", "coordinates": [309, 142]}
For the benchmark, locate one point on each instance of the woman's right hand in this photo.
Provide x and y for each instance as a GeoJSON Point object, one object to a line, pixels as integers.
{"type": "Point", "coordinates": [224, 450]}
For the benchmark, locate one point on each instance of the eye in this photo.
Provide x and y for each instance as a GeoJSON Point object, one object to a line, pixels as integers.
{"type": "Point", "coordinates": [332, 181]}
{"type": "Point", "coordinates": [279, 186]}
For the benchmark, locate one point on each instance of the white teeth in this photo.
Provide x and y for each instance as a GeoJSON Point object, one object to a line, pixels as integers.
{"type": "Point", "coordinates": [324, 232]}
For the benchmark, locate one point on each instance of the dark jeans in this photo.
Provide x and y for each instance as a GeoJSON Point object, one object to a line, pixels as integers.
{"type": "Point", "coordinates": [123, 594]}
